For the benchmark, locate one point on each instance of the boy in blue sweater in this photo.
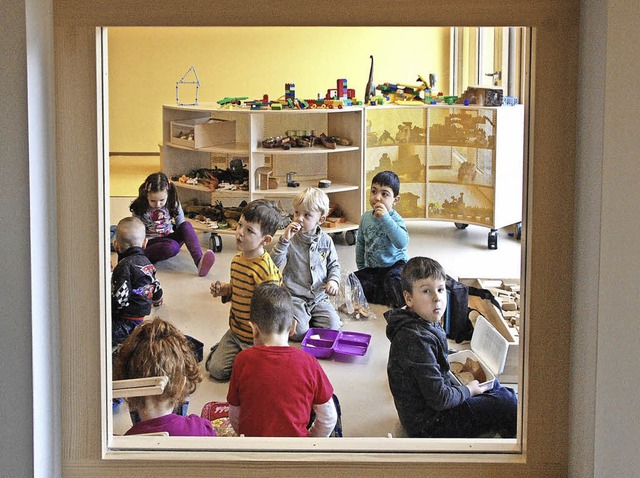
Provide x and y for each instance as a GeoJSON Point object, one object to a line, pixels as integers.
{"type": "Point", "coordinates": [381, 245]}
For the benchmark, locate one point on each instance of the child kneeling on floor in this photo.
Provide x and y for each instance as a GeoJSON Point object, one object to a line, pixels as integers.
{"type": "Point", "coordinates": [275, 387]}
{"type": "Point", "coordinates": [157, 348]}
{"type": "Point", "coordinates": [429, 402]}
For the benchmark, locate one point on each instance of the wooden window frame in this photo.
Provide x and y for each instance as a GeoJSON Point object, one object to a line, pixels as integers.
{"type": "Point", "coordinates": [548, 215]}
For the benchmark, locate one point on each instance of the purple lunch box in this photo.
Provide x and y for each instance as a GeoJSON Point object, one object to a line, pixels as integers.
{"type": "Point", "coordinates": [323, 343]}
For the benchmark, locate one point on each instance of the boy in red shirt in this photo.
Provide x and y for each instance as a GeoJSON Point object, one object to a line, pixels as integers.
{"type": "Point", "coordinates": [274, 387]}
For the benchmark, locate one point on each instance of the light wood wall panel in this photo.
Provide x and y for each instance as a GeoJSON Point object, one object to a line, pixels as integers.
{"type": "Point", "coordinates": [548, 246]}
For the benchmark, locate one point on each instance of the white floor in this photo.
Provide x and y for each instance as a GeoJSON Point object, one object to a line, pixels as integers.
{"type": "Point", "coordinates": [361, 385]}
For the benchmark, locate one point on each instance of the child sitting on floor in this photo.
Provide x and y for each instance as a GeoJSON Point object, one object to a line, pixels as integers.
{"type": "Point", "coordinates": [309, 264]}
{"type": "Point", "coordinates": [134, 287]}
{"type": "Point", "coordinates": [381, 244]}
{"type": "Point", "coordinates": [429, 402]}
{"type": "Point", "coordinates": [159, 208]}
{"type": "Point", "coordinates": [157, 348]}
{"type": "Point", "coordinates": [275, 387]}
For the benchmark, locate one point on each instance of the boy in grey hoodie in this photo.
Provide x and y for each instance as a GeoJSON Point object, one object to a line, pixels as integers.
{"type": "Point", "coordinates": [309, 264]}
{"type": "Point", "coordinates": [429, 403]}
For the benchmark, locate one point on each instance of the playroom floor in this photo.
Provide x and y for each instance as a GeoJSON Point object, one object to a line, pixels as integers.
{"type": "Point", "coordinates": [361, 384]}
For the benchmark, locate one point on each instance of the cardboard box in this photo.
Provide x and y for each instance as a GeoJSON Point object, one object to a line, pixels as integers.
{"type": "Point", "coordinates": [202, 132]}
{"type": "Point", "coordinates": [488, 347]}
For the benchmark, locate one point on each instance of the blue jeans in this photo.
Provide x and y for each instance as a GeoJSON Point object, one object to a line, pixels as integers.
{"type": "Point", "coordinates": [121, 329]}
{"type": "Point", "coordinates": [494, 411]}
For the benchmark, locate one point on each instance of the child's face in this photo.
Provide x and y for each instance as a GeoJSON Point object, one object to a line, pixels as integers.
{"type": "Point", "coordinates": [308, 220]}
{"type": "Point", "coordinates": [382, 195]}
{"type": "Point", "coordinates": [428, 298]}
{"type": "Point", "coordinates": [157, 199]}
{"type": "Point", "coordinates": [249, 238]}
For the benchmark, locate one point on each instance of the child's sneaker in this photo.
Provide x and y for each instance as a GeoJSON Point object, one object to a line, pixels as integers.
{"type": "Point", "coordinates": [207, 260]}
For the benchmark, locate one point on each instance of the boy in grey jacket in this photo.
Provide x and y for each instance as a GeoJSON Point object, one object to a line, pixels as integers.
{"type": "Point", "coordinates": [309, 264]}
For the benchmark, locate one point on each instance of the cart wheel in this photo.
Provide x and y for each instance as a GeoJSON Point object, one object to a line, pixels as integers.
{"type": "Point", "coordinates": [493, 239]}
{"type": "Point", "coordinates": [351, 236]}
{"type": "Point", "coordinates": [461, 225]}
{"type": "Point", "coordinates": [215, 242]}
{"type": "Point", "coordinates": [519, 231]}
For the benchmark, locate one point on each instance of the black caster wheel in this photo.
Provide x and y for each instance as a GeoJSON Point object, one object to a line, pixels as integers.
{"type": "Point", "coordinates": [215, 242]}
{"type": "Point", "coordinates": [519, 231]}
{"type": "Point", "coordinates": [493, 239]}
{"type": "Point", "coordinates": [351, 236]}
{"type": "Point", "coordinates": [461, 225]}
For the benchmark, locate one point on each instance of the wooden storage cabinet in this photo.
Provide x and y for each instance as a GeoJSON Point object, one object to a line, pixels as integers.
{"type": "Point", "coordinates": [456, 163]}
{"type": "Point", "coordinates": [342, 166]}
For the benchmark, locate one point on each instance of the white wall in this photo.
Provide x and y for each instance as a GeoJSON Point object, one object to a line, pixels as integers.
{"type": "Point", "coordinates": [605, 425]}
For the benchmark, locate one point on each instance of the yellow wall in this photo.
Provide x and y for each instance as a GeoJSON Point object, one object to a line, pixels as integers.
{"type": "Point", "coordinates": [145, 63]}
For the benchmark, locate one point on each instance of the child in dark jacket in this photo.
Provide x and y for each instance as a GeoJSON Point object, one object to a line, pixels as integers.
{"type": "Point", "coordinates": [429, 402]}
{"type": "Point", "coordinates": [134, 287]}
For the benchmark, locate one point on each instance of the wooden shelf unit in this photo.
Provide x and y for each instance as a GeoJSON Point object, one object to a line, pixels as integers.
{"type": "Point", "coordinates": [452, 153]}
{"type": "Point", "coordinates": [344, 165]}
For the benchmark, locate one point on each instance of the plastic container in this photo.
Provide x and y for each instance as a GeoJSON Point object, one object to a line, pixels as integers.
{"type": "Point", "coordinates": [488, 347]}
{"type": "Point", "coordinates": [352, 343]}
{"type": "Point", "coordinates": [320, 342]}
{"type": "Point", "coordinates": [324, 343]}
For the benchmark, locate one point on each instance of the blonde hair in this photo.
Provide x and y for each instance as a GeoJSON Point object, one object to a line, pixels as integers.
{"type": "Point", "coordinates": [312, 199]}
{"type": "Point", "coordinates": [157, 348]}
{"type": "Point", "coordinates": [130, 232]}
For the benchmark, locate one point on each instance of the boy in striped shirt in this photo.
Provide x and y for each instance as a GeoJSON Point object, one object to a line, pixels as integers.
{"type": "Point", "coordinates": [250, 266]}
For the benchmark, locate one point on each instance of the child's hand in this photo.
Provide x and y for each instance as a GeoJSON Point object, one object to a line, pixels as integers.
{"type": "Point", "coordinates": [379, 210]}
{"type": "Point", "coordinates": [476, 389]}
{"type": "Point", "coordinates": [157, 303]}
{"type": "Point", "coordinates": [220, 289]}
{"type": "Point", "coordinates": [331, 287]}
{"type": "Point", "coordinates": [291, 230]}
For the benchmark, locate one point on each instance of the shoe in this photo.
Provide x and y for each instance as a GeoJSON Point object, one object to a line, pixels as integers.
{"type": "Point", "coordinates": [208, 258]}
{"type": "Point", "coordinates": [327, 141]}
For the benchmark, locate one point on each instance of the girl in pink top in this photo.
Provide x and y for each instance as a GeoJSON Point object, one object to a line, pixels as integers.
{"type": "Point", "coordinates": [154, 349]}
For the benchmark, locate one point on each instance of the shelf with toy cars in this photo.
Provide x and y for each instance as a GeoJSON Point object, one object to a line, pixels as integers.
{"type": "Point", "coordinates": [456, 163]}
{"type": "Point", "coordinates": [339, 167]}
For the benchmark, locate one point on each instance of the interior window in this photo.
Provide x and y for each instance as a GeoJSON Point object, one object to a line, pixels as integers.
{"type": "Point", "coordinates": [138, 129]}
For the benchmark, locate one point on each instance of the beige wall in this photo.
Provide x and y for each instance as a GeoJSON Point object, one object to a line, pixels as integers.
{"type": "Point", "coordinates": [146, 63]}
{"type": "Point", "coordinates": [82, 260]}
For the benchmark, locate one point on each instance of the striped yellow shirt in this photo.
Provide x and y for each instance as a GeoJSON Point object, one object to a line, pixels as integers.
{"type": "Point", "coordinates": [245, 275]}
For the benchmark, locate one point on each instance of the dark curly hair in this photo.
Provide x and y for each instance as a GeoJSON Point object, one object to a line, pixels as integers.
{"type": "Point", "coordinates": [389, 179]}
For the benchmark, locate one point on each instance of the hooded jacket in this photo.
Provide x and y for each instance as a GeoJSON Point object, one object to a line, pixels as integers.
{"type": "Point", "coordinates": [307, 263]}
{"type": "Point", "coordinates": [418, 371]}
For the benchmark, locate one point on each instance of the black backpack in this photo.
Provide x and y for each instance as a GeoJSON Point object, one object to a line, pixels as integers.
{"type": "Point", "coordinates": [457, 324]}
